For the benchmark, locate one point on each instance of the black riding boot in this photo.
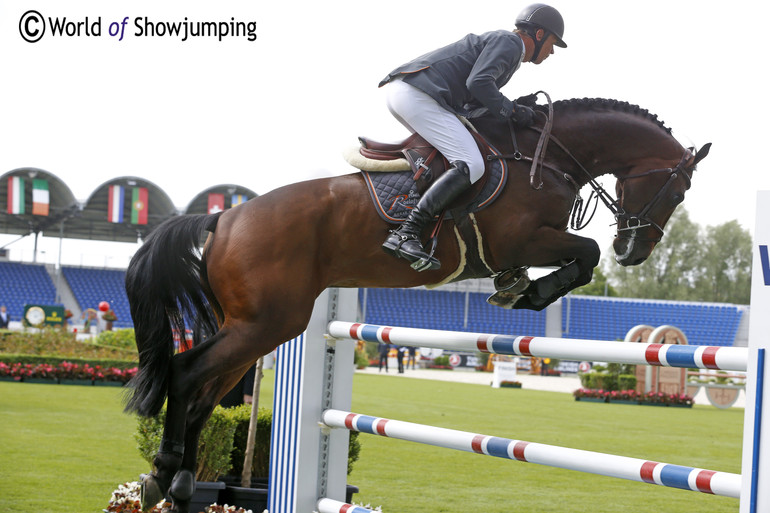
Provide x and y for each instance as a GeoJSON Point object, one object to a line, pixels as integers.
{"type": "Point", "coordinates": [404, 241]}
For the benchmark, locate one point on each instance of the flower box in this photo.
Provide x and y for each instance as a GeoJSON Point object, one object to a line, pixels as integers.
{"type": "Point", "coordinates": [633, 397]}
{"type": "Point", "coordinates": [206, 494]}
{"type": "Point", "coordinates": [592, 399]}
{"type": "Point", "coordinates": [42, 381]}
{"type": "Point", "coordinates": [81, 382]}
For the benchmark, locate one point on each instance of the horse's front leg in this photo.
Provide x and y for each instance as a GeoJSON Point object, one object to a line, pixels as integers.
{"type": "Point", "coordinates": [577, 256]}
{"type": "Point", "coordinates": [582, 256]}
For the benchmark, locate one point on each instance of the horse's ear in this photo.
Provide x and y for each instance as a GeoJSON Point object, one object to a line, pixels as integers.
{"type": "Point", "coordinates": [702, 152]}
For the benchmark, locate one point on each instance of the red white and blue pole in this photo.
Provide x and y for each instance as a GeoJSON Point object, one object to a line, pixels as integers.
{"type": "Point", "coordinates": [633, 469]}
{"type": "Point", "coordinates": [664, 355]}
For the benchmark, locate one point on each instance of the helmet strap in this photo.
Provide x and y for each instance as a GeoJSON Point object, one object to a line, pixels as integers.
{"type": "Point", "coordinates": [538, 45]}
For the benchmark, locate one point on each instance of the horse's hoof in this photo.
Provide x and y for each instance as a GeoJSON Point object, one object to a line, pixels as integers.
{"type": "Point", "coordinates": [513, 281]}
{"type": "Point", "coordinates": [150, 493]}
{"type": "Point", "coordinates": [183, 486]}
{"type": "Point", "coordinates": [503, 299]}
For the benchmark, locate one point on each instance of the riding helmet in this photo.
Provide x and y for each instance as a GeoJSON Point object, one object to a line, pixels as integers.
{"type": "Point", "coordinates": [541, 16]}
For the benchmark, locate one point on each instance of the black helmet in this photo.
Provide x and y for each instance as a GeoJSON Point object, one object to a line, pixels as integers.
{"type": "Point", "coordinates": [541, 16]}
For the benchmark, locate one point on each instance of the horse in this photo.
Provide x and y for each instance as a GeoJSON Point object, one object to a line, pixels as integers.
{"type": "Point", "coordinates": [253, 284]}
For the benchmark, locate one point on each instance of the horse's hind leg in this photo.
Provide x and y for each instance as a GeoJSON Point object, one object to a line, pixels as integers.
{"type": "Point", "coordinates": [183, 383]}
{"type": "Point", "coordinates": [199, 411]}
{"type": "Point", "coordinates": [199, 378]}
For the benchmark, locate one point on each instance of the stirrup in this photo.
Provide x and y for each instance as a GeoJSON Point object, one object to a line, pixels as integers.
{"type": "Point", "coordinates": [426, 264]}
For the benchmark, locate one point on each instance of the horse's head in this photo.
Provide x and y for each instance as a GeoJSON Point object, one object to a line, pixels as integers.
{"type": "Point", "coordinates": [646, 200]}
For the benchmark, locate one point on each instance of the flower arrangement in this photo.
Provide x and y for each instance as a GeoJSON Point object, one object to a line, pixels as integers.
{"type": "Point", "coordinates": [66, 370]}
{"type": "Point", "coordinates": [510, 384]}
{"type": "Point", "coordinates": [126, 499]}
{"type": "Point", "coordinates": [109, 315]}
{"type": "Point", "coordinates": [658, 398]}
{"type": "Point", "coordinates": [67, 313]}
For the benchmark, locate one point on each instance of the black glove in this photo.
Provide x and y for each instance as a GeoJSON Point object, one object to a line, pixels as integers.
{"type": "Point", "coordinates": [522, 115]}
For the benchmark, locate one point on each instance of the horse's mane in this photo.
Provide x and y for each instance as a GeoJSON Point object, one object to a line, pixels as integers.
{"type": "Point", "coordinates": [596, 103]}
{"type": "Point", "coordinates": [582, 104]}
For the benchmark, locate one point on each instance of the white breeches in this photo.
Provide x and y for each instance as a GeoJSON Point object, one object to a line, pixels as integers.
{"type": "Point", "coordinates": [420, 113]}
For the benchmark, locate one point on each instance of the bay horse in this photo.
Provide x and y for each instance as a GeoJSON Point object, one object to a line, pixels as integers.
{"type": "Point", "coordinates": [263, 264]}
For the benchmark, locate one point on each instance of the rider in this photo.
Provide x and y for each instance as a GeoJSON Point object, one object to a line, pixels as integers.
{"type": "Point", "coordinates": [428, 93]}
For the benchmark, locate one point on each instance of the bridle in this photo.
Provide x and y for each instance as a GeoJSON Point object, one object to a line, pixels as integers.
{"type": "Point", "coordinates": [634, 222]}
{"type": "Point", "coordinates": [642, 219]}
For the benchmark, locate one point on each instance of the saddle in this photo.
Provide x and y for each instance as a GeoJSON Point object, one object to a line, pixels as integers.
{"type": "Point", "coordinates": [397, 174]}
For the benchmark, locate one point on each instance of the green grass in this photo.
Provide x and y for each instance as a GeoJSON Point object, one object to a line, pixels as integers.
{"type": "Point", "coordinates": [63, 449]}
{"type": "Point", "coordinates": [405, 476]}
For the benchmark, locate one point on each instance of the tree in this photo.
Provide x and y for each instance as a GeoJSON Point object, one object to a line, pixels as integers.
{"type": "Point", "coordinates": [691, 264]}
{"type": "Point", "coordinates": [671, 269]}
{"type": "Point", "coordinates": [725, 274]}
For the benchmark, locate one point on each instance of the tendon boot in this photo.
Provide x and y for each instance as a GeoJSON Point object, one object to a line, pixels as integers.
{"type": "Point", "coordinates": [404, 241]}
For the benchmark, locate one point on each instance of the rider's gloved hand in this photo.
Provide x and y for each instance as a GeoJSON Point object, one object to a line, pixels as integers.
{"type": "Point", "coordinates": [522, 115]}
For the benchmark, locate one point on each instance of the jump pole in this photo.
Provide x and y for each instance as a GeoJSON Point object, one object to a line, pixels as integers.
{"type": "Point", "coordinates": [633, 469]}
{"type": "Point", "coordinates": [306, 461]}
{"type": "Point", "coordinates": [667, 355]}
{"type": "Point", "coordinates": [755, 490]}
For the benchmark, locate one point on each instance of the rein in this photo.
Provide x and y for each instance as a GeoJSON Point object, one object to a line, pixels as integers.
{"type": "Point", "coordinates": [577, 219]}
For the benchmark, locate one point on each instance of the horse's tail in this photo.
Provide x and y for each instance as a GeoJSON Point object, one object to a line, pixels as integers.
{"type": "Point", "coordinates": [166, 286]}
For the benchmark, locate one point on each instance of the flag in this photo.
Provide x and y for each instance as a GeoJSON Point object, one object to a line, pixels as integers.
{"type": "Point", "coordinates": [139, 205]}
{"type": "Point", "coordinates": [15, 195]}
{"type": "Point", "coordinates": [237, 199]}
{"type": "Point", "coordinates": [115, 204]}
{"type": "Point", "coordinates": [216, 203]}
{"type": "Point", "coordinates": [40, 198]}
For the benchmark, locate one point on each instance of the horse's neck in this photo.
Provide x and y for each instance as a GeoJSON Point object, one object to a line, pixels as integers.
{"type": "Point", "coordinates": [615, 148]}
{"type": "Point", "coordinates": [592, 144]}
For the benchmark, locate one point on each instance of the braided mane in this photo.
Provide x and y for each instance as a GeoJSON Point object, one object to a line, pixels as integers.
{"type": "Point", "coordinates": [598, 103]}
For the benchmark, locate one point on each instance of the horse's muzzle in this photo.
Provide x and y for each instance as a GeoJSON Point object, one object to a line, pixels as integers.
{"type": "Point", "coordinates": [630, 251]}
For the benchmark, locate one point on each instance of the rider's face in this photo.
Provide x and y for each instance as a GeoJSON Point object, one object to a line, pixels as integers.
{"type": "Point", "coordinates": [547, 49]}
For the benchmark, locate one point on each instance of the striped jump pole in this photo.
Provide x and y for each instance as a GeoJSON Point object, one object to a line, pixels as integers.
{"type": "Point", "coordinates": [331, 506]}
{"type": "Point", "coordinates": [675, 476]}
{"type": "Point", "coordinates": [665, 355]}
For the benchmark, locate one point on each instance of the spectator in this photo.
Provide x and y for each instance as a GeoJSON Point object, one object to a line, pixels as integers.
{"type": "Point", "coordinates": [383, 350]}
{"type": "Point", "coordinates": [4, 317]}
{"type": "Point", "coordinates": [412, 357]}
{"type": "Point", "coordinates": [242, 392]}
{"type": "Point", "coordinates": [401, 351]}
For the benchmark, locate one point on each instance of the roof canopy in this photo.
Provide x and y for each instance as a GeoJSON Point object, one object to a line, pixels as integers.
{"type": "Point", "coordinates": [122, 209]}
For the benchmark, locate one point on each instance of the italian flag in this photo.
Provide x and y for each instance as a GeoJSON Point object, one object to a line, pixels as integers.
{"type": "Point", "coordinates": [115, 204]}
{"type": "Point", "coordinates": [15, 195]}
{"type": "Point", "coordinates": [40, 198]}
{"type": "Point", "coordinates": [139, 205]}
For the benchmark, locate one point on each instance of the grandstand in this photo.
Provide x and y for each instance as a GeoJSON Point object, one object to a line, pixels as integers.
{"type": "Point", "coordinates": [91, 286]}
{"type": "Point", "coordinates": [452, 308]}
{"type": "Point", "coordinates": [25, 284]}
{"type": "Point", "coordinates": [580, 317]}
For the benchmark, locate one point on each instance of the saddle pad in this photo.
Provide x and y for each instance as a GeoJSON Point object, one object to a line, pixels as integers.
{"type": "Point", "coordinates": [395, 194]}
